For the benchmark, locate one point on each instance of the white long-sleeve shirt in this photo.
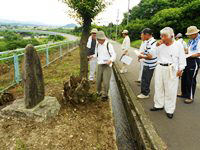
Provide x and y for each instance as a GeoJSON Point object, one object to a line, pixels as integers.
{"type": "Point", "coordinates": [102, 54]}
{"type": "Point", "coordinates": [142, 46]}
{"type": "Point", "coordinates": [183, 43]}
{"type": "Point", "coordinates": [89, 42]}
{"type": "Point", "coordinates": [126, 43]}
{"type": "Point", "coordinates": [173, 54]}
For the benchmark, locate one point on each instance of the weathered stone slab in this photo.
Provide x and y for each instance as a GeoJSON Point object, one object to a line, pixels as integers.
{"type": "Point", "coordinates": [33, 78]}
{"type": "Point", "coordinates": [48, 108]}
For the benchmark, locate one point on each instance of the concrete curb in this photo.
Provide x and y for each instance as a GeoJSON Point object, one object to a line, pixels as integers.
{"type": "Point", "coordinates": [142, 128]}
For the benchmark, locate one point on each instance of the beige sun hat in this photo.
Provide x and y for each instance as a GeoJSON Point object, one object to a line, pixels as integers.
{"type": "Point", "coordinates": [125, 32]}
{"type": "Point", "coordinates": [101, 35]}
{"type": "Point", "coordinates": [94, 30]}
{"type": "Point", "coordinates": [192, 30]}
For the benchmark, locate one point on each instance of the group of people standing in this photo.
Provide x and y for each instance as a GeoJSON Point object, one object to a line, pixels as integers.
{"type": "Point", "coordinates": [171, 58]}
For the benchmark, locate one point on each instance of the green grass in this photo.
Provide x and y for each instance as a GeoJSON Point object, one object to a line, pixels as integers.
{"type": "Point", "coordinates": [186, 40]}
{"type": "Point", "coordinates": [120, 40]}
{"type": "Point", "coordinates": [136, 43]}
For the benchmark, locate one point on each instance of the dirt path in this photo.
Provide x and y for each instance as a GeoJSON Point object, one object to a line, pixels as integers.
{"type": "Point", "coordinates": [84, 127]}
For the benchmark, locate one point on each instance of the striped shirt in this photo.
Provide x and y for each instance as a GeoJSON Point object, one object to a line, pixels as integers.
{"type": "Point", "coordinates": [152, 62]}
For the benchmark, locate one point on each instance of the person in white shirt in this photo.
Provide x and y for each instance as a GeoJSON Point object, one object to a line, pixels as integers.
{"type": "Point", "coordinates": [125, 48]}
{"type": "Point", "coordinates": [188, 80]}
{"type": "Point", "coordinates": [180, 39]}
{"type": "Point", "coordinates": [171, 62]}
{"type": "Point", "coordinates": [105, 55]}
{"type": "Point", "coordinates": [91, 44]}
{"type": "Point", "coordinates": [141, 50]}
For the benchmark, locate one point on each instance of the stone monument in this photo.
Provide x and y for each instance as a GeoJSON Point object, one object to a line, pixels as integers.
{"type": "Point", "coordinates": [34, 104]}
{"type": "Point", "coordinates": [33, 78]}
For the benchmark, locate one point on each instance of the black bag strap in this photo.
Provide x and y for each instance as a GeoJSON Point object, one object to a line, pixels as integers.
{"type": "Point", "coordinates": [107, 49]}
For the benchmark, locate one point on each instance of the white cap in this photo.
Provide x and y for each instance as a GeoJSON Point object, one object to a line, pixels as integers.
{"type": "Point", "coordinates": [94, 30]}
{"type": "Point", "coordinates": [125, 32]}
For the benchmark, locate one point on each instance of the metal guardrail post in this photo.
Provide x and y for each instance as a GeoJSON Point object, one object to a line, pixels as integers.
{"type": "Point", "coordinates": [16, 68]}
{"type": "Point", "coordinates": [60, 51]}
{"type": "Point", "coordinates": [47, 55]}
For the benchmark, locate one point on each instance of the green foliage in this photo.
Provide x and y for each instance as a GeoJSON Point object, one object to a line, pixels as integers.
{"type": "Point", "coordinates": [55, 38]}
{"type": "Point", "coordinates": [3, 46]}
{"type": "Point", "coordinates": [86, 8]}
{"type": "Point", "coordinates": [157, 14]}
{"type": "Point", "coordinates": [136, 43]}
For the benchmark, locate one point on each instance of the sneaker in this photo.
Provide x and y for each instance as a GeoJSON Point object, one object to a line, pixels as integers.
{"type": "Point", "coordinates": [138, 81]}
{"type": "Point", "coordinates": [104, 98]}
{"type": "Point", "coordinates": [125, 70]}
{"type": "Point", "coordinates": [142, 96]}
{"type": "Point", "coordinates": [181, 96]}
{"type": "Point", "coordinates": [121, 71]}
{"type": "Point", "coordinates": [188, 101]}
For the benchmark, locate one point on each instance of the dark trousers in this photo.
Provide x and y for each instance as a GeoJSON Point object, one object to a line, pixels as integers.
{"type": "Point", "coordinates": [188, 80]}
{"type": "Point", "coordinates": [146, 80]}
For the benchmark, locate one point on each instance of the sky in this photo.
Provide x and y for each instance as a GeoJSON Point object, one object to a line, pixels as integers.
{"type": "Point", "coordinates": [54, 12]}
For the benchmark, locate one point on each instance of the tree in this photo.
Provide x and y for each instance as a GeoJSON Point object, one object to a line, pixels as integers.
{"type": "Point", "coordinates": [86, 11]}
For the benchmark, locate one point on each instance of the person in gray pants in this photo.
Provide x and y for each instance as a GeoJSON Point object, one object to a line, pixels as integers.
{"type": "Point", "coordinates": [105, 54]}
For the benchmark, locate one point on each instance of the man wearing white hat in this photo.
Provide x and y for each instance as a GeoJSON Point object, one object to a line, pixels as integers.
{"type": "Point", "coordinates": [182, 42]}
{"type": "Point", "coordinates": [125, 48]}
{"type": "Point", "coordinates": [91, 44]}
{"type": "Point", "coordinates": [171, 62]}
{"type": "Point", "coordinates": [105, 54]}
{"type": "Point", "coordinates": [188, 81]}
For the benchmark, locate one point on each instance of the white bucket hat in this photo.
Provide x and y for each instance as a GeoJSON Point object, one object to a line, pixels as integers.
{"type": "Point", "coordinates": [179, 35]}
{"type": "Point", "coordinates": [101, 35]}
{"type": "Point", "coordinates": [94, 30]}
{"type": "Point", "coordinates": [192, 30]}
{"type": "Point", "coordinates": [125, 32]}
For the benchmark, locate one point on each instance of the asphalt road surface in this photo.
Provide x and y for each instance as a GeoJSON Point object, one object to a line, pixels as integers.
{"type": "Point", "coordinates": [183, 131]}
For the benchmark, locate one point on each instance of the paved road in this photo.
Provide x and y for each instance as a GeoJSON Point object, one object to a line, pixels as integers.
{"type": "Point", "coordinates": [180, 133]}
{"type": "Point", "coordinates": [68, 36]}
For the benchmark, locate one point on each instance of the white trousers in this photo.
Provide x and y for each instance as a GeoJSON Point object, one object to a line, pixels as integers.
{"type": "Point", "coordinates": [93, 64]}
{"type": "Point", "coordinates": [166, 88]}
{"type": "Point", "coordinates": [140, 71]}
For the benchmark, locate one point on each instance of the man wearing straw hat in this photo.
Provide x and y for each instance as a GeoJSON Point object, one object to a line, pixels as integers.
{"type": "Point", "coordinates": [91, 44]}
{"type": "Point", "coordinates": [125, 48]}
{"type": "Point", "coordinates": [188, 81]}
{"type": "Point", "coordinates": [105, 55]}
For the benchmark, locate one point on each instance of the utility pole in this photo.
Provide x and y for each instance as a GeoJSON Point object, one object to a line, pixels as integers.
{"type": "Point", "coordinates": [117, 23]}
{"type": "Point", "coordinates": [128, 11]}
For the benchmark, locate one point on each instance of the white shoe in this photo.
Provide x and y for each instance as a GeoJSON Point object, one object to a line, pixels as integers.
{"type": "Point", "coordinates": [121, 71]}
{"type": "Point", "coordinates": [142, 96]}
{"type": "Point", "coordinates": [125, 70]}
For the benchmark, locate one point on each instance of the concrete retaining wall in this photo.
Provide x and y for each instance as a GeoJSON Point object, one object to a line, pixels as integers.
{"type": "Point", "coordinates": [142, 128]}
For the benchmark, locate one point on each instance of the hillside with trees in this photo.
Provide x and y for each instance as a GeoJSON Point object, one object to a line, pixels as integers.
{"type": "Point", "coordinates": [157, 14]}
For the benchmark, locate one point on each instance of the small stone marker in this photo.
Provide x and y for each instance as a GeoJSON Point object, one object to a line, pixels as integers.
{"type": "Point", "coordinates": [35, 104]}
{"type": "Point", "coordinates": [33, 78]}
